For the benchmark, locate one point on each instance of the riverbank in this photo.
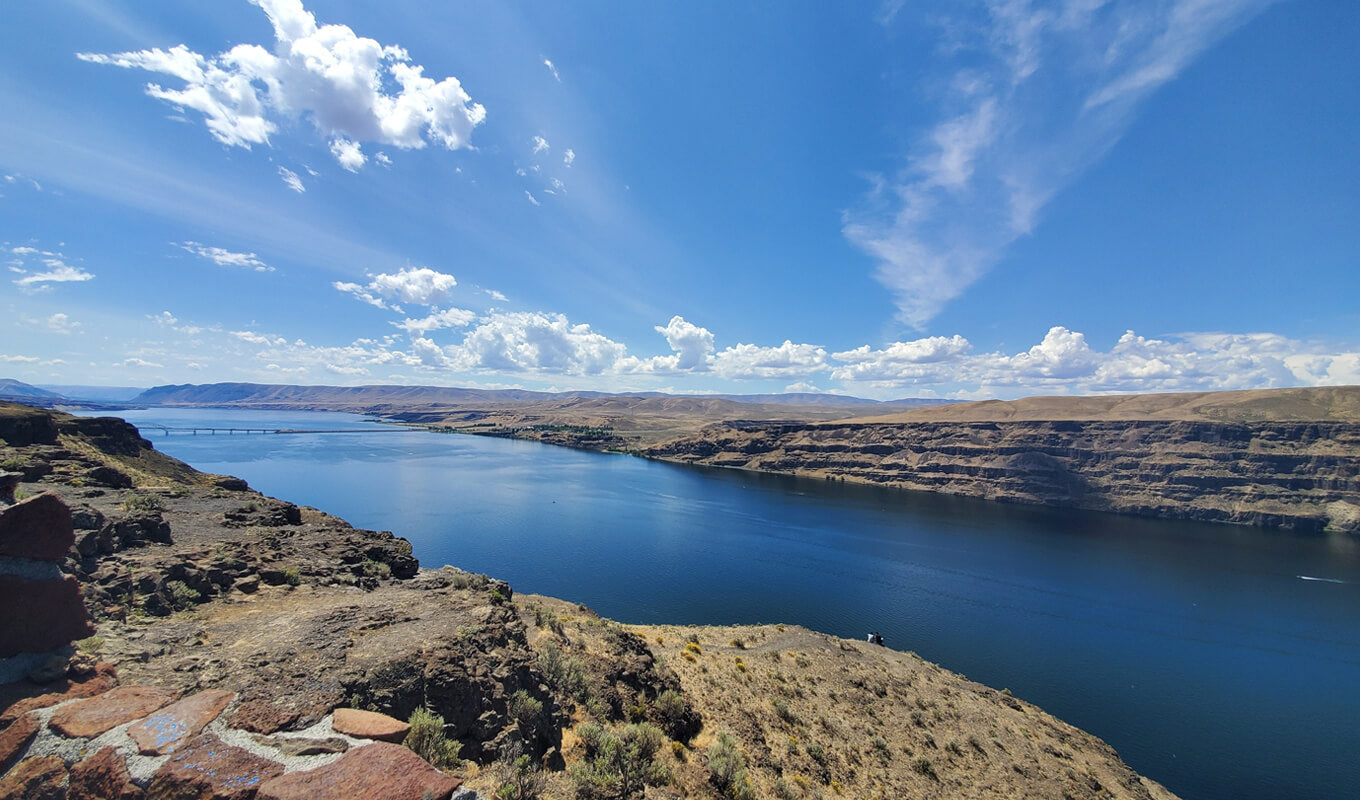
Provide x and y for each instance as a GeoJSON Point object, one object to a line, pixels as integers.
{"type": "Point", "coordinates": [197, 583]}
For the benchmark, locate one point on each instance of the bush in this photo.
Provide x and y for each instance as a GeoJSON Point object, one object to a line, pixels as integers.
{"type": "Point", "coordinates": [375, 569]}
{"type": "Point", "coordinates": [564, 673]}
{"type": "Point", "coordinates": [518, 777]}
{"type": "Point", "coordinates": [727, 769]}
{"type": "Point", "coordinates": [181, 596]}
{"type": "Point", "coordinates": [525, 710]}
{"type": "Point", "coordinates": [785, 713]}
{"type": "Point", "coordinates": [143, 503]}
{"type": "Point", "coordinates": [292, 576]}
{"type": "Point", "coordinates": [427, 739]}
{"type": "Point", "coordinates": [619, 767]}
{"type": "Point", "coordinates": [923, 766]}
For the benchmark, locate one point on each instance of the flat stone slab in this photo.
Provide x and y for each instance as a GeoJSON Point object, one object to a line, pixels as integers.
{"type": "Point", "coordinates": [89, 718]}
{"type": "Point", "coordinates": [369, 725]}
{"type": "Point", "coordinates": [15, 738]}
{"type": "Point", "coordinates": [207, 767]}
{"type": "Point", "coordinates": [169, 728]}
{"type": "Point", "coordinates": [35, 779]}
{"type": "Point", "coordinates": [18, 699]}
{"type": "Point", "coordinates": [102, 776]}
{"type": "Point", "coordinates": [38, 528]}
{"type": "Point", "coordinates": [384, 770]}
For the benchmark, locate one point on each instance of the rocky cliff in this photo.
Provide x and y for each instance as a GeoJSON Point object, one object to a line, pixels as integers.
{"type": "Point", "coordinates": [1301, 475]}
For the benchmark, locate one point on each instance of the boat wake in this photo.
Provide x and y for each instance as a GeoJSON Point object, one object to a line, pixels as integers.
{"type": "Point", "coordinates": [1320, 580]}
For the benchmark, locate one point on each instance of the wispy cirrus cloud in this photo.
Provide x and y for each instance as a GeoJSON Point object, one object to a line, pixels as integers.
{"type": "Point", "coordinates": [225, 258]}
{"type": "Point", "coordinates": [1035, 94]}
{"type": "Point", "coordinates": [352, 88]}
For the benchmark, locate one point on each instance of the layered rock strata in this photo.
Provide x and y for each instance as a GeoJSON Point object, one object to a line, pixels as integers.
{"type": "Point", "coordinates": [1299, 475]}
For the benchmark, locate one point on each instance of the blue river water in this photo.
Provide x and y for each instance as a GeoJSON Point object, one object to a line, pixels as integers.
{"type": "Point", "coordinates": [1222, 661]}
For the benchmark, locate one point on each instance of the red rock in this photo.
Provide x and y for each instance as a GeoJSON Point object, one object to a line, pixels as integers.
{"type": "Point", "coordinates": [89, 718]}
{"type": "Point", "coordinates": [35, 779]}
{"type": "Point", "coordinates": [169, 728]}
{"type": "Point", "coordinates": [258, 716]}
{"type": "Point", "coordinates": [207, 768]}
{"type": "Point", "coordinates": [369, 725]}
{"type": "Point", "coordinates": [16, 737]}
{"type": "Point", "coordinates": [17, 699]}
{"type": "Point", "coordinates": [102, 776]}
{"type": "Point", "coordinates": [384, 770]}
{"type": "Point", "coordinates": [52, 615]}
{"type": "Point", "coordinates": [38, 528]}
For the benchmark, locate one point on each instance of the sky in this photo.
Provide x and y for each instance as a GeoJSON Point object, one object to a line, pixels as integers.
{"type": "Point", "coordinates": [902, 199]}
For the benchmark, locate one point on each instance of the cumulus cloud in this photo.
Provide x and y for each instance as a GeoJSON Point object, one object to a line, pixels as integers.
{"type": "Point", "coordinates": [352, 88]}
{"type": "Point", "coordinates": [259, 338]}
{"type": "Point", "coordinates": [422, 286]}
{"type": "Point", "coordinates": [569, 157]}
{"type": "Point", "coordinates": [535, 342]}
{"type": "Point", "coordinates": [225, 258]}
{"type": "Point", "coordinates": [291, 180]}
{"type": "Point", "coordinates": [540, 144]}
{"type": "Point", "coordinates": [553, 69]}
{"type": "Point", "coordinates": [1038, 92]}
{"type": "Point", "coordinates": [140, 363]}
{"type": "Point", "coordinates": [788, 360]}
{"type": "Point", "coordinates": [19, 359]}
{"type": "Point", "coordinates": [438, 320]}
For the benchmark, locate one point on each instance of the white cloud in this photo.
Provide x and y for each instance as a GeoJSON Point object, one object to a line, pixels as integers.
{"type": "Point", "coordinates": [61, 323]}
{"type": "Point", "coordinates": [259, 338]}
{"type": "Point", "coordinates": [140, 363]}
{"type": "Point", "coordinates": [422, 286]}
{"type": "Point", "coordinates": [531, 197]}
{"type": "Point", "coordinates": [788, 360]}
{"type": "Point", "coordinates": [291, 180]}
{"type": "Point", "coordinates": [164, 318]}
{"type": "Point", "coordinates": [495, 295]}
{"type": "Point", "coordinates": [1038, 93]}
{"type": "Point", "coordinates": [352, 88]}
{"type": "Point", "coordinates": [225, 258]}
{"type": "Point", "coordinates": [348, 153]}
{"type": "Point", "coordinates": [55, 270]}
{"type": "Point", "coordinates": [19, 359]}
{"type": "Point", "coordinates": [540, 144]}
{"type": "Point", "coordinates": [438, 320]}
{"type": "Point", "coordinates": [553, 69]}
{"type": "Point", "coordinates": [535, 342]}
{"type": "Point", "coordinates": [569, 157]}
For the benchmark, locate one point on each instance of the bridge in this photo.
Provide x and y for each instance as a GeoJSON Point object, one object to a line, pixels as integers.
{"type": "Point", "coordinates": [210, 431]}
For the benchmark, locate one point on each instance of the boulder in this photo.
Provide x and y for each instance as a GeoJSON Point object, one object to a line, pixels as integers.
{"type": "Point", "coordinates": [173, 726]}
{"type": "Point", "coordinates": [208, 768]}
{"type": "Point", "coordinates": [38, 528]}
{"type": "Point", "coordinates": [384, 770]}
{"type": "Point", "coordinates": [369, 725]}
{"type": "Point", "coordinates": [89, 718]}
{"type": "Point", "coordinates": [17, 699]}
{"type": "Point", "coordinates": [52, 614]}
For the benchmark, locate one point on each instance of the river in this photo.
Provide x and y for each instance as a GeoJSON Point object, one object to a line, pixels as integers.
{"type": "Point", "coordinates": [1222, 661]}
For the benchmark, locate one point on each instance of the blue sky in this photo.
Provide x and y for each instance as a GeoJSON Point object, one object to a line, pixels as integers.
{"type": "Point", "coordinates": [989, 199]}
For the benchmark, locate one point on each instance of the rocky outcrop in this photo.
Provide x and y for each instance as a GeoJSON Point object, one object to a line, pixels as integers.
{"type": "Point", "coordinates": [43, 607]}
{"type": "Point", "coordinates": [1298, 475]}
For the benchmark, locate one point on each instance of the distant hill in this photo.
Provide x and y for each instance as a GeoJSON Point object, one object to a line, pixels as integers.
{"type": "Point", "coordinates": [1312, 404]}
{"type": "Point", "coordinates": [11, 389]}
{"type": "Point", "coordinates": [424, 397]}
{"type": "Point", "coordinates": [98, 394]}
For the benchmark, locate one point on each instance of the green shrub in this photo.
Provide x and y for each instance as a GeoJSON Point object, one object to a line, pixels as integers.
{"type": "Point", "coordinates": [143, 503]}
{"type": "Point", "coordinates": [375, 569]}
{"type": "Point", "coordinates": [727, 769]}
{"type": "Point", "coordinates": [564, 673]}
{"type": "Point", "coordinates": [181, 596]}
{"type": "Point", "coordinates": [92, 644]}
{"type": "Point", "coordinates": [292, 576]}
{"type": "Point", "coordinates": [427, 739]}
{"type": "Point", "coordinates": [518, 777]}
{"type": "Point", "coordinates": [923, 766]}
{"type": "Point", "coordinates": [525, 710]}
{"type": "Point", "coordinates": [785, 713]}
{"type": "Point", "coordinates": [619, 767]}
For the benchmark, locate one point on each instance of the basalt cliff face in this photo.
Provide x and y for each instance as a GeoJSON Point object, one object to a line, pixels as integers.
{"type": "Point", "coordinates": [1297, 475]}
